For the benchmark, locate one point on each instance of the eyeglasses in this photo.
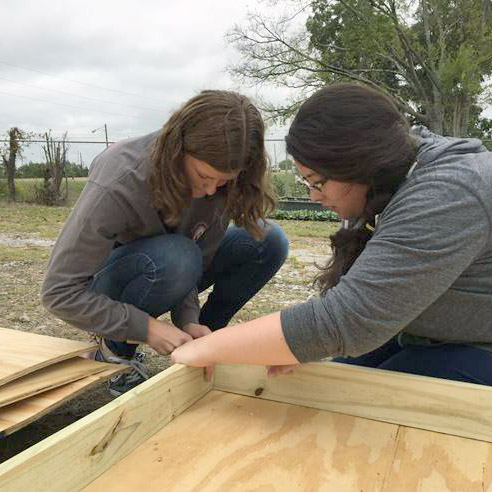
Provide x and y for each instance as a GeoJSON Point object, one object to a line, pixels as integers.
{"type": "Point", "coordinates": [318, 186]}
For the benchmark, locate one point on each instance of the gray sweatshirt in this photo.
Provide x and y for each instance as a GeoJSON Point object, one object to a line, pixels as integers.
{"type": "Point", "coordinates": [115, 206]}
{"type": "Point", "coordinates": [426, 271]}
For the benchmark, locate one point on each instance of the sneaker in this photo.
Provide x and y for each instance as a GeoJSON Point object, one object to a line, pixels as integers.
{"type": "Point", "coordinates": [121, 383]}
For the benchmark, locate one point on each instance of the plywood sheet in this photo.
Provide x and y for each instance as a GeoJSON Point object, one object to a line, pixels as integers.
{"type": "Point", "coordinates": [22, 352]}
{"type": "Point", "coordinates": [430, 462]}
{"type": "Point", "coordinates": [235, 443]}
{"type": "Point", "coordinates": [48, 378]}
{"type": "Point", "coordinates": [17, 415]}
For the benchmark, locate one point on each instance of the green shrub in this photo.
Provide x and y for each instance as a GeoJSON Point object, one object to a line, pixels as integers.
{"type": "Point", "coordinates": [318, 215]}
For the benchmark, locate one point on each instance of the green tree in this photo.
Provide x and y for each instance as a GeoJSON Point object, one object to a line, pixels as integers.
{"type": "Point", "coordinates": [286, 165]}
{"type": "Point", "coordinates": [432, 56]}
{"type": "Point", "coordinates": [9, 154]}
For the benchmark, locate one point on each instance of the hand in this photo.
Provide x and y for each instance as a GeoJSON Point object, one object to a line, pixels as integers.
{"type": "Point", "coordinates": [273, 371]}
{"type": "Point", "coordinates": [196, 330]}
{"type": "Point", "coordinates": [164, 338]}
{"type": "Point", "coordinates": [191, 354]}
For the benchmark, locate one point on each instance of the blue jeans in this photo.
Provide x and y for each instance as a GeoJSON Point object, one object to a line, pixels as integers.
{"type": "Point", "coordinates": [441, 360]}
{"type": "Point", "coordinates": [157, 273]}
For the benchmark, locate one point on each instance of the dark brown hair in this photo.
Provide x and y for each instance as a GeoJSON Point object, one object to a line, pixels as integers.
{"type": "Point", "coordinates": [225, 130]}
{"type": "Point", "coordinates": [355, 134]}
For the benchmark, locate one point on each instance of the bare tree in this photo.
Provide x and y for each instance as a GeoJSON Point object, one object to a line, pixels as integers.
{"type": "Point", "coordinates": [50, 193]}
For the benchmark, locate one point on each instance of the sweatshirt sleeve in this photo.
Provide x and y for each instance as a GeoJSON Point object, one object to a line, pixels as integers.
{"type": "Point", "coordinates": [80, 251]}
{"type": "Point", "coordinates": [428, 235]}
{"type": "Point", "coordinates": [188, 311]}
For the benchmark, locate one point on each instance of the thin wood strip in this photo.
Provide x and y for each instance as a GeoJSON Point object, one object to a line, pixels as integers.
{"type": "Point", "coordinates": [17, 415]}
{"type": "Point", "coordinates": [88, 447]}
{"type": "Point", "coordinates": [23, 352]}
{"type": "Point", "coordinates": [48, 378]}
{"type": "Point", "coordinates": [451, 407]}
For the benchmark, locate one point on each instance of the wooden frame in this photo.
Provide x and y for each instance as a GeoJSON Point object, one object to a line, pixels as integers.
{"type": "Point", "coordinates": [90, 446]}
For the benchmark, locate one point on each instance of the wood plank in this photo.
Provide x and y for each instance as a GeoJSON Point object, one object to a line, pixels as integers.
{"type": "Point", "coordinates": [24, 352]}
{"type": "Point", "coordinates": [17, 415]}
{"type": "Point", "coordinates": [88, 447]}
{"type": "Point", "coordinates": [235, 443]}
{"type": "Point", "coordinates": [451, 407]}
{"type": "Point", "coordinates": [429, 462]}
{"type": "Point", "coordinates": [48, 378]}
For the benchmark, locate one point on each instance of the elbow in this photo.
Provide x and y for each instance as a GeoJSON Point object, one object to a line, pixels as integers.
{"type": "Point", "coordinates": [48, 301]}
{"type": "Point", "coordinates": [51, 300]}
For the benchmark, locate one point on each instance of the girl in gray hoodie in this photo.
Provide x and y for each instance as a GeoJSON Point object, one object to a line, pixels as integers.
{"type": "Point", "coordinates": [150, 231]}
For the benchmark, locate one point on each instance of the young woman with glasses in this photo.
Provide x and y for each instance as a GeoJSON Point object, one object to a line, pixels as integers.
{"type": "Point", "coordinates": [409, 285]}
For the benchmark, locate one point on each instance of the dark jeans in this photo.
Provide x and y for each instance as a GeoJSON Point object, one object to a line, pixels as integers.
{"type": "Point", "coordinates": [440, 360]}
{"type": "Point", "coordinates": [155, 274]}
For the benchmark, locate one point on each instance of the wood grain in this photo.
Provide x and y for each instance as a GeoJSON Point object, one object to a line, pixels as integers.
{"type": "Point", "coordinates": [429, 462]}
{"type": "Point", "coordinates": [17, 415]}
{"type": "Point", "coordinates": [231, 442]}
{"type": "Point", "coordinates": [451, 407]}
{"type": "Point", "coordinates": [23, 352]}
{"type": "Point", "coordinates": [88, 447]}
{"type": "Point", "coordinates": [48, 378]}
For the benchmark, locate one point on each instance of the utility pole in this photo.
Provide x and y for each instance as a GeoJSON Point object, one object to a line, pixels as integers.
{"type": "Point", "coordinates": [105, 133]}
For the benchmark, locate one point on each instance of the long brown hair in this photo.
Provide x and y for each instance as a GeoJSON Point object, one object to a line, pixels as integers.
{"type": "Point", "coordinates": [225, 130]}
{"type": "Point", "coordinates": [355, 134]}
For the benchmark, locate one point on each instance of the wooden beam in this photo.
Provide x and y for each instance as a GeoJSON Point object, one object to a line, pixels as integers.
{"type": "Point", "coordinates": [76, 455]}
{"type": "Point", "coordinates": [451, 407]}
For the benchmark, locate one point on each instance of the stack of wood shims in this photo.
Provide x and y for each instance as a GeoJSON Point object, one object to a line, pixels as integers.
{"type": "Point", "coordinates": [39, 373]}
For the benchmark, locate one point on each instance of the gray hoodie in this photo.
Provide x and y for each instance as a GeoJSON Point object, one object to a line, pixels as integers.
{"type": "Point", "coordinates": [115, 206]}
{"type": "Point", "coordinates": [426, 271]}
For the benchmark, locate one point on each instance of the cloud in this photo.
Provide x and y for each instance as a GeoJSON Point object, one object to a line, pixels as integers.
{"type": "Point", "coordinates": [74, 66]}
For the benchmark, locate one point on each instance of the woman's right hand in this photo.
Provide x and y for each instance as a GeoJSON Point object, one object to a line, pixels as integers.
{"type": "Point", "coordinates": [164, 338]}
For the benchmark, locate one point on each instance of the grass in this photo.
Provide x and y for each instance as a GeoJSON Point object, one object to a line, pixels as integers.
{"type": "Point", "coordinates": [46, 222]}
{"type": "Point", "coordinates": [37, 220]}
{"type": "Point", "coordinates": [25, 189]}
{"type": "Point", "coordinates": [308, 228]}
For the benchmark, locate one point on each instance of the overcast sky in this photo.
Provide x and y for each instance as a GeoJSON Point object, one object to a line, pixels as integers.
{"type": "Point", "coordinates": [77, 65]}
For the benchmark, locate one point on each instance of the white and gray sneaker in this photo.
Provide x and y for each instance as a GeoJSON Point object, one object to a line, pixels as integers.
{"type": "Point", "coordinates": [121, 383]}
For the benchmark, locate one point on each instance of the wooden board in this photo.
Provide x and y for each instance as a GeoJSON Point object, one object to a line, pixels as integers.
{"type": "Point", "coordinates": [235, 443]}
{"type": "Point", "coordinates": [48, 378]}
{"type": "Point", "coordinates": [17, 415]}
{"type": "Point", "coordinates": [23, 352]}
{"type": "Point", "coordinates": [451, 407]}
{"type": "Point", "coordinates": [71, 458]}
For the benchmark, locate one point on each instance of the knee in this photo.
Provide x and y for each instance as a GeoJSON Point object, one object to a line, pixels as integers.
{"type": "Point", "coordinates": [179, 259]}
{"type": "Point", "coordinates": [275, 243]}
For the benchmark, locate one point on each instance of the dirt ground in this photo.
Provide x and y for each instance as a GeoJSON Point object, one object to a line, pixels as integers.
{"type": "Point", "coordinates": [26, 239]}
